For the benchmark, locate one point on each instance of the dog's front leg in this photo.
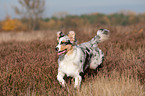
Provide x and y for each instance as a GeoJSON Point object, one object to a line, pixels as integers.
{"type": "Point", "coordinates": [60, 78]}
{"type": "Point", "coordinates": [78, 80]}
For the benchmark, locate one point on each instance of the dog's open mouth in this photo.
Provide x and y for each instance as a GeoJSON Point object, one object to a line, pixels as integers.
{"type": "Point", "coordinates": [61, 52]}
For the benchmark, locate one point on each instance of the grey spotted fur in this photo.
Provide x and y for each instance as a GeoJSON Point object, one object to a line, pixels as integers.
{"type": "Point", "coordinates": [95, 55]}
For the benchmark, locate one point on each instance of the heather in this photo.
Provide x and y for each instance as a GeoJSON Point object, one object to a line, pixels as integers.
{"type": "Point", "coordinates": [30, 67]}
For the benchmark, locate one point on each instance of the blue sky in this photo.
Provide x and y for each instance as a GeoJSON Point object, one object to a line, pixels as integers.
{"type": "Point", "coordinates": [77, 6]}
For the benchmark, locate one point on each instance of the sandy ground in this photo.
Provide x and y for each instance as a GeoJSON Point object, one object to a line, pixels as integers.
{"type": "Point", "coordinates": [26, 36]}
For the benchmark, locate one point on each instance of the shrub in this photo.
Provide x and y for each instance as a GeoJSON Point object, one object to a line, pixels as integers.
{"type": "Point", "coordinates": [13, 25]}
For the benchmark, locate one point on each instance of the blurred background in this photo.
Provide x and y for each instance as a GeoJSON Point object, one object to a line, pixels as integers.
{"type": "Point", "coordinates": [30, 15]}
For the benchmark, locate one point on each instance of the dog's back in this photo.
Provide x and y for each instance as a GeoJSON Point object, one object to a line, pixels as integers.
{"type": "Point", "coordinates": [96, 56]}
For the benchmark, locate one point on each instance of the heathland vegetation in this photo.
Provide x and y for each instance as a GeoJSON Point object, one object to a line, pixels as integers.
{"type": "Point", "coordinates": [28, 61]}
{"type": "Point", "coordinates": [30, 68]}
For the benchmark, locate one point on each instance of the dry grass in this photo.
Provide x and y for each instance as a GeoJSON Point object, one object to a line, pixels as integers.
{"type": "Point", "coordinates": [30, 68]}
{"type": "Point", "coordinates": [26, 36]}
{"type": "Point", "coordinates": [114, 85]}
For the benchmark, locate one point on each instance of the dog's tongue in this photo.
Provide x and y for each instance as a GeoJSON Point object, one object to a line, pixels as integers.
{"type": "Point", "coordinates": [61, 52]}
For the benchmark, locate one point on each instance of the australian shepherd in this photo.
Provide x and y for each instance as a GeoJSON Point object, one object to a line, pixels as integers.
{"type": "Point", "coordinates": [75, 59]}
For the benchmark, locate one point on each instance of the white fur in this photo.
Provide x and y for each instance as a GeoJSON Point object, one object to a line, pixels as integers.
{"type": "Point", "coordinates": [94, 63]}
{"type": "Point", "coordinates": [103, 37]}
{"type": "Point", "coordinates": [71, 66]}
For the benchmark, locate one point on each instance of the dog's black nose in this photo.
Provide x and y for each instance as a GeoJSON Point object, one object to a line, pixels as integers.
{"type": "Point", "coordinates": [56, 48]}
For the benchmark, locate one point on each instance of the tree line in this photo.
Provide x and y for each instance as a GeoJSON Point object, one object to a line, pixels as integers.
{"type": "Point", "coordinates": [31, 14]}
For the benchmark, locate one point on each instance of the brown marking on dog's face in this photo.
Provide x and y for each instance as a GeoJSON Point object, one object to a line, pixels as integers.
{"type": "Point", "coordinates": [64, 46]}
{"type": "Point", "coordinates": [65, 43]}
{"type": "Point", "coordinates": [68, 48]}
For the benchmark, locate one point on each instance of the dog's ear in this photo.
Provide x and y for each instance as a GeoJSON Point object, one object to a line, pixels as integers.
{"type": "Point", "coordinates": [59, 35]}
{"type": "Point", "coordinates": [72, 36]}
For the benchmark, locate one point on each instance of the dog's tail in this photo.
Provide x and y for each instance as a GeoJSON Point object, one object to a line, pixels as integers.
{"type": "Point", "coordinates": [102, 35]}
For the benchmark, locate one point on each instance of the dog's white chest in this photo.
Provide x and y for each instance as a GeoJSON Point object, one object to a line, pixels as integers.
{"type": "Point", "coordinates": [71, 65]}
{"type": "Point", "coordinates": [69, 69]}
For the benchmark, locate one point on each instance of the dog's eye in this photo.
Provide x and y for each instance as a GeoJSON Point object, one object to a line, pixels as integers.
{"type": "Point", "coordinates": [63, 43]}
{"type": "Point", "coordinates": [69, 42]}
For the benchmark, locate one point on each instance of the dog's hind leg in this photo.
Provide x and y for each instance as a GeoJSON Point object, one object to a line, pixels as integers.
{"type": "Point", "coordinates": [96, 59]}
{"type": "Point", "coordinates": [78, 80]}
{"type": "Point", "coordinates": [60, 79]}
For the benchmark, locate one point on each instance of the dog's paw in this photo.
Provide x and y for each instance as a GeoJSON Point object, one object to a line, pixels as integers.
{"type": "Point", "coordinates": [63, 84]}
{"type": "Point", "coordinates": [77, 87]}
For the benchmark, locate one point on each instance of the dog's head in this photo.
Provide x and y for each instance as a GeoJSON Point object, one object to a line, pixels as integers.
{"type": "Point", "coordinates": [65, 42]}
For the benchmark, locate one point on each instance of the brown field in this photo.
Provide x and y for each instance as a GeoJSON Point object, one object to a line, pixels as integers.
{"type": "Point", "coordinates": [28, 64]}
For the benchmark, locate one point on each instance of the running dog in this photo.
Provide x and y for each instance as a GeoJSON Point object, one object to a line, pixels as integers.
{"type": "Point", "coordinates": [75, 59]}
